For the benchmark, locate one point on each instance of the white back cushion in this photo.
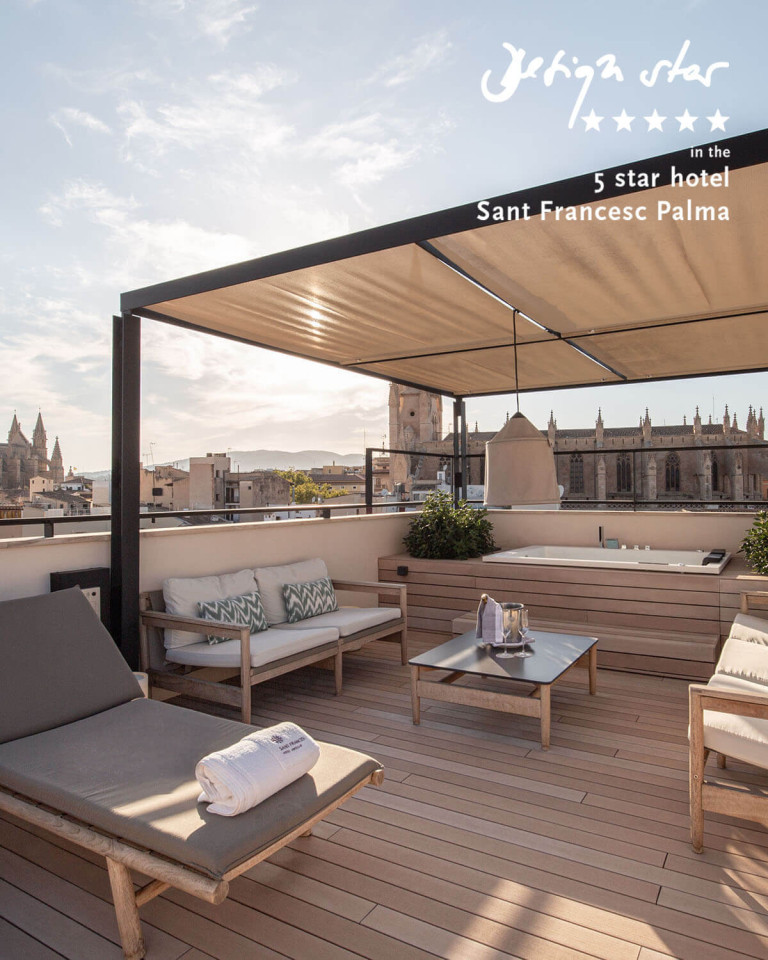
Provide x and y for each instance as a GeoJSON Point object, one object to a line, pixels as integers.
{"type": "Point", "coordinates": [744, 659]}
{"type": "Point", "coordinates": [182, 595]}
{"type": "Point", "coordinates": [270, 581]}
{"type": "Point", "coordinates": [747, 627]}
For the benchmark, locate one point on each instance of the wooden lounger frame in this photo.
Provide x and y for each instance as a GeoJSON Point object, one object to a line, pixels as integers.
{"type": "Point", "coordinates": [153, 615]}
{"type": "Point", "coordinates": [165, 873]}
{"type": "Point", "coordinates": [725, 797]}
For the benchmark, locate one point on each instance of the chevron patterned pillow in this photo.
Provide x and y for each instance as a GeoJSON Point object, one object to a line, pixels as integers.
{"type": "Point", "coordinates": [310, 599]}
{"type": "Point", "coordinates": [246, 609]}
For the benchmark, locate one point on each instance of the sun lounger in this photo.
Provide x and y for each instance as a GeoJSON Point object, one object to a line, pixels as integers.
{"type": "Point", "coordinates": [83, 755]}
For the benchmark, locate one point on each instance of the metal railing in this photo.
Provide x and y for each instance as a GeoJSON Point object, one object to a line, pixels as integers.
{"type": "Point", "coordinates": [229, 514]}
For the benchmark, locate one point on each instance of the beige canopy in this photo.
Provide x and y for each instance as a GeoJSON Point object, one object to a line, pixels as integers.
{"type": "Point", "coordinates": [676, 286]}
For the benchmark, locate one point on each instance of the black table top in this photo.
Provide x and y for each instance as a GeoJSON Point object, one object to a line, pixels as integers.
{"type": "Point", "coordinates": [552, 653]}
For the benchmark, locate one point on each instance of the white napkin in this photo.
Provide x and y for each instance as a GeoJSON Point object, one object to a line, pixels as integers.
{"type": "Point", "coordinates": [239, 777]}
{"type": "Point", "coordinates": [489, 623]}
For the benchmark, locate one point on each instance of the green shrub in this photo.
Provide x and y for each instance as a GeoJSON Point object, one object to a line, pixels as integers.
{"type": "Point", "coordinates": [443, 531]}
{"type": "Point", "coordinates": [755, 545]}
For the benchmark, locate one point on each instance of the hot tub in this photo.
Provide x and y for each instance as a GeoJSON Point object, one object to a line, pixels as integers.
{"type": "Point", "coordinates": [682, 561]}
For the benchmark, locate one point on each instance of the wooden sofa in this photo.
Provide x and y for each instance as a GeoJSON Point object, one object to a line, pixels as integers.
{"type": "Point", "coordinates": [729, 717]}
{"type": "Point", "coordinates": [86, 757]}
{"type": "Point", "coordinates": [197, 668]}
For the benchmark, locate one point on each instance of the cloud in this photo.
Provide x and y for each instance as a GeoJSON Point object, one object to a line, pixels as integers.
{"type": "Point", "coordinates": [56, 357]}
{"type": "Point", "coordinates": [208, 392]}
{"type": "Point", "coordinates": [221, 19]}
{"type": "Point", "coordinates": [71, 115]}
{"type": "Point", "coordinates": [102, 80]}
{"type": "Point", "coordinates": [218, 20]}
{"type": "Point", "coordinates": [141, 251]}
{"type": "Point", "coordinates": [224, 114]}
{"type": "Point", "coordinates": [373, 146]}
{"type": "Point", "coordinates": [428, 52]}
{"type": "Point", "coordinates": [80, 194]}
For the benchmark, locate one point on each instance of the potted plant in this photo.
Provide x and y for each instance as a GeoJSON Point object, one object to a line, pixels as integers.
{"type": "Point", "coordinates": [448, 531]}
{"type": "Point", "coordinates": [754, 546]}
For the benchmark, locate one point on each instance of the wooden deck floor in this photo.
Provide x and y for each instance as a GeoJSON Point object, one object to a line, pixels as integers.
{"type": "Point", "coordinates": [477, 846]}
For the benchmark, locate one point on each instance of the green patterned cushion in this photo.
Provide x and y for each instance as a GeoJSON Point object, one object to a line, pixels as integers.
{"type": "Point", "coordinates": [310, 599]}
{"type": "Point", "coordinates": [246, 609]}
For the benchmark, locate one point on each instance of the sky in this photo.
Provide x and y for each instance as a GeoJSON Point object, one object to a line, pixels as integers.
{"type": "Point", "coordinates": [150, 139]}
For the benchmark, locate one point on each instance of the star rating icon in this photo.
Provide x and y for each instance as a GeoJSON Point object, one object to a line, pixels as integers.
{"type": "Point", "coordinates": [592, 121]}
{"type": "Point", "coordinates": [717, 121]}
{"type": "Point", "coordinates": [686, 121]}
{"type": "Point", "coordinates": [655, 121]}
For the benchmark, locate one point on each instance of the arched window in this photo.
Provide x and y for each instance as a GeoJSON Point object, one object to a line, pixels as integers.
{"type": "Point", "coordinates": [623, 473]}
{"type": "Point", "coordinates": [672, 473]}
{"type": "Point", "coordinates": [577, 473]}
{"type": "Point", "coordinates": [715, 474]}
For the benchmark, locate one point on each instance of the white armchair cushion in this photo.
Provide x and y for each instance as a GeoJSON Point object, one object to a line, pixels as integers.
{"type": "Point", "coordinates": [270, 581]}
{"type": "Point", "coordinates": [744, 659]}
{"type": "Point", "coordinates": [183, 594]}
{"type": "Point", "coordinates": [747, 627]}
{"type": "Point", "coordinates": [744, 738]}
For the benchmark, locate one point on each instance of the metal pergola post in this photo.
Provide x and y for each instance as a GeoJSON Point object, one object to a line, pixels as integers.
{"type": "Point", "coordinates": [464, 451]}
{"type": "Point", "coordinates": [369, 480]}
{"type": "Point", "coordinates": [124, 542]}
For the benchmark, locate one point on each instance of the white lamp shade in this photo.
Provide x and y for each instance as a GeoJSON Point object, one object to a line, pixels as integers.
{"type": "Point", "coordinates": [520, 467]}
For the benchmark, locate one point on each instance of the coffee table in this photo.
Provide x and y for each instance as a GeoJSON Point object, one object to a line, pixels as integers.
{"type": "Point", "coordinates": [553, 655]}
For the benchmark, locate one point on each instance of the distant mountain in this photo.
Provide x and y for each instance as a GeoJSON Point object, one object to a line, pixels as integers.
{"type": "Point", "coordinates": [245, 460]}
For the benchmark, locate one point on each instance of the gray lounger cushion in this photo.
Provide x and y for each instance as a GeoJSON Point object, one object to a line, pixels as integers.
{"type": "Point", "coordinates": [130, 772]}
{"type": "Point", "coordinates": [59, 664]}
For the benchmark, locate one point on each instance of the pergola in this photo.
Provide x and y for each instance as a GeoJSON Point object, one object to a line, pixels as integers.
{"type": "Point", "coordinates": [636, 278]}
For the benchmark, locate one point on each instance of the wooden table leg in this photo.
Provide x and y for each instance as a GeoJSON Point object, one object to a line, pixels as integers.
{"type": "Point", "coordinates": [544, 692]}
{"type": "Point", "coordinates": [593, 669]}
{"type": "Point", "coordinates": [415, 705]}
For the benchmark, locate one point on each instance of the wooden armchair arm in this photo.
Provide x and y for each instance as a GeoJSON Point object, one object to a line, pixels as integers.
{"type": "Point", "coordinates": [703, 697]}
{"type": "Point", "coordinates": [754, 600]}
{"type": "Point", "coordinates": [398, 591]}
{"type": "Point", "coordinates": [172, 621]}
{"type": "Point", "coordinates": [371, 586]}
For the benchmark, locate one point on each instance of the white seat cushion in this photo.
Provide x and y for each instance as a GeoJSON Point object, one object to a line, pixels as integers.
{"type": "Point", "coordinates": [347, 620]}
{"type": "Point", "coordinates": [271, 579]}
{"type": "Point", "coordinates": [266, 647]}
{"type": "Point", "coordinates": [183, 594]}
{"type": "Point", "coordinates": [743, 738]}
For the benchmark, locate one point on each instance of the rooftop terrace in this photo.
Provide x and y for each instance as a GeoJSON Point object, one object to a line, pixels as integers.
{"type": "Point", "coordinates": [478, 845]}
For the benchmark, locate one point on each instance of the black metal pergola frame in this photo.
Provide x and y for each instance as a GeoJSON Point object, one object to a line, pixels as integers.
{"type": "Point", "coordinates": [745, 151]}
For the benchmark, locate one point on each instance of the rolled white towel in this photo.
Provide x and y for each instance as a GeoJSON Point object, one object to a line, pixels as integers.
{"type": "Point", "coordinates": [239, 777]}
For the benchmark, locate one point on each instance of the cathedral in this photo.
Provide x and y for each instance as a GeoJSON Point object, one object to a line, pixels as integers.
{"type": "Point", "coordinates": [20, 459]}
{"type": "Point", "coordinates": [714, 461]}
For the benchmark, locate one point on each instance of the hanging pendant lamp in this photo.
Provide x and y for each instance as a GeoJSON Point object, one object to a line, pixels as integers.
{"type": "Point", "coordinates": [519, 462]}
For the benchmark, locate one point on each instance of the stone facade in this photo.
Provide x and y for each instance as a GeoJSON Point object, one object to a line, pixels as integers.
{"type": "Point", "coordinates": [632, 461]}
{"type": "Point", "coordinates": [22, 459]}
